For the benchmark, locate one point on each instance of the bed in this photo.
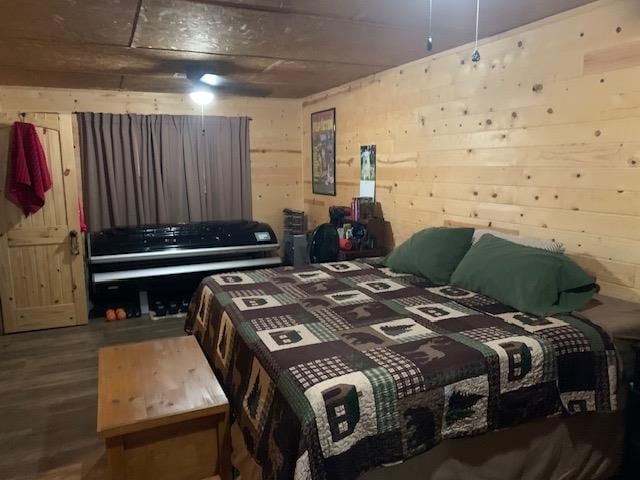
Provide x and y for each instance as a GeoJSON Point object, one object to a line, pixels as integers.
{"type": "Point", "coordinates": [335, 369]}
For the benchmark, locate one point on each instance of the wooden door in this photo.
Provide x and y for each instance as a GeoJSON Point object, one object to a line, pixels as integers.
{"type": "Point", "coordinates": [41, 263]}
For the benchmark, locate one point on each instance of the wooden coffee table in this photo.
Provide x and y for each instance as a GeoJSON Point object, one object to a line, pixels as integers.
{"type": "Point", "coordinates": [162, 412]}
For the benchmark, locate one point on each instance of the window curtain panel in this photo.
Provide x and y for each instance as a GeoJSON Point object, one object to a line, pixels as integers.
{"type": "Point", "coordinates": [153, 169]}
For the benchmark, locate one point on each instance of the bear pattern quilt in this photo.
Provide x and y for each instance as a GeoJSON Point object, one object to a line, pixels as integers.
{"type": "Point", "coordinates": [337, 368]}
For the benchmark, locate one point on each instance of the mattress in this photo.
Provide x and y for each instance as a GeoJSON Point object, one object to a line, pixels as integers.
{"type": "Point", "coordinates": [334, 369]}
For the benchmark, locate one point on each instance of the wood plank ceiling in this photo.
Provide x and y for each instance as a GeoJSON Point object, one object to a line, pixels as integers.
{"type": "Point", "coordinates": [277, 48]}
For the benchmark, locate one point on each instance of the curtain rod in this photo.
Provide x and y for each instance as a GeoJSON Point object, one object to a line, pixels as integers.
{"type": "Point", "coordinates": [23, 114]}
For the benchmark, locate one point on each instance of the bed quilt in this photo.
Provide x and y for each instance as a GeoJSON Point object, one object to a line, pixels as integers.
{"type": "Point", "coordinates": [337, 368]}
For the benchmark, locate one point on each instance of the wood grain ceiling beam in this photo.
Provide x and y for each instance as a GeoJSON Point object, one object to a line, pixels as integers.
{"type": "Point", "coordinates": [197, 56]}
{"type": "Point", "coordinates": [284, 10]}
{"type": "Point", "coordinates": [270, 57]}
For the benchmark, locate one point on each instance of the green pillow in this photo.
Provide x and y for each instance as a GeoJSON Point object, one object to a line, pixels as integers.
{"type": "Point", "coordinates": [433, 253]}
{"type": "Point", "coordinates": [528, 279]}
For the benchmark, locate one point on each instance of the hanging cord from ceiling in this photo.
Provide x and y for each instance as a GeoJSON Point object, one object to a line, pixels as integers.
{"type": "Point", "coordinates": [430, 38]}
{"type": "Point", "coordinates": [204, 181]}
{"type": "Point", "coordinates": [475, 56]}
{"type": "Point", "coordinates": [202, 118]}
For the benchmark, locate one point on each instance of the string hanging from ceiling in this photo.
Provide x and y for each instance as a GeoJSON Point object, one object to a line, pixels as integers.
{"type": "Point", "coordinates": [475, 56]}
{"type": "Point", "coordinates": [429, 37]}
{"type": "Point", "coordinates": [202, 118]}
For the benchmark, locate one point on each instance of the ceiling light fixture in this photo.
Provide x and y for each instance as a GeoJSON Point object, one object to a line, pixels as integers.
{"type": "Point", "coordinates": [202, 96]}
{"type": "Point", "coordinates": [211, 79]}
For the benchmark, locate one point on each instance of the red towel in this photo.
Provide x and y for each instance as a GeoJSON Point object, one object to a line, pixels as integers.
{"type": "Point", "coordinates": [83, 225]}
{"type": "Point", "coordinates": [29, 176]}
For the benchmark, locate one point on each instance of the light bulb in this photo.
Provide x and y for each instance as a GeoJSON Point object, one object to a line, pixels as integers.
{"type": "Point", "coordinates": [201, 96]}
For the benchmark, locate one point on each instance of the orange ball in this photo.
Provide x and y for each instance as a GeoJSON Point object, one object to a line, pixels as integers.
{"type": "Point", "coordinates": [110, 314]}
{"type": "Point", "coordinates": [121, 314]}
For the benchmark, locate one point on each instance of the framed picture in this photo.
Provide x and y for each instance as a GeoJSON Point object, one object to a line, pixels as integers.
{"type": "Point", "coordinates": [323, 152]}
{"type": "Point", "coordinates": [368, 171]}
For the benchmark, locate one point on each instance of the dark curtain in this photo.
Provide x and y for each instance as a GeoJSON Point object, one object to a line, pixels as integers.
{"type": "Point", "coordinates": [150, 169]}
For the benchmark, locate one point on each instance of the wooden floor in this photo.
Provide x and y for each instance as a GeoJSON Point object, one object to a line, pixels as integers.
{"type": "Point", "coordinates": [48, 386]}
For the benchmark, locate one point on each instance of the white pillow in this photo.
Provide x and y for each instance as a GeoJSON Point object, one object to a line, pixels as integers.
{"type": "Point", "coordinates": [548, 245]}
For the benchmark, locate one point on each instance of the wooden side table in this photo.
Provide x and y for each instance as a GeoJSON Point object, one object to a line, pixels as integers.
{"type": "Point", "coordinates": [162, 412]}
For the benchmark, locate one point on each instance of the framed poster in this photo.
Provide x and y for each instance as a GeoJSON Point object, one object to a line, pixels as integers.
{"type": "Point", "coordinates": [368, 171]}
{"type": "Point", "coordinates": [323, 152]}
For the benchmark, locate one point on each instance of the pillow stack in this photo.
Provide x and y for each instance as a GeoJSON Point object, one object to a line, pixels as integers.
{"type": "Point", "coordinates": [530, 275]}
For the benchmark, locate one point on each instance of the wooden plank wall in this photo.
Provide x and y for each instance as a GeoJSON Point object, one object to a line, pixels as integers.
{"type": "Point", "coordinates": [542, 136]}
{"type": "Point", "coordinates": [275, 132]}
